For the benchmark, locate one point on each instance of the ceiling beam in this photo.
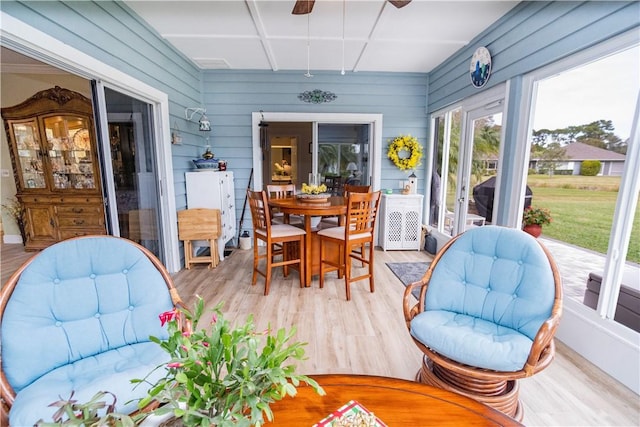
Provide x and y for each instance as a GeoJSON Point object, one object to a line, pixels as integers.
{"type": "Point", "coordinates": [264, 40]}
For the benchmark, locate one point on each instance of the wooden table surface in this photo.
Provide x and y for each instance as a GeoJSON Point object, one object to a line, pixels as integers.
{"type": "Point", "coordinates": [394, 401]}
{"type": "Point", "coordinates": [335, 205]}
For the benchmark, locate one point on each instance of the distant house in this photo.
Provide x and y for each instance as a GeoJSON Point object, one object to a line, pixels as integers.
{"type": "Point", "coordinates": [577, 152]}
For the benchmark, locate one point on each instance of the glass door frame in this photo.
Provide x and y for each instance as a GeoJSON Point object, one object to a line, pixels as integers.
{"type": "Point", "coordinates": [166, 204]}
{"type": "Point", "coordinates": [375, 136]}
{"type": "Point", "coordinates": [491, 101]}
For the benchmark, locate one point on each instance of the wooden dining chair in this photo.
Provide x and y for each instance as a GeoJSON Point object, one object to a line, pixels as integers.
{"type": "Point", "coordinates": [362, 210]}
{"type": "Point", "coordinates": [274, 234]}
{"type": "Point", "coordinates": [333, 220]}
{"type": "Point", "coordinates": [280, 191]}
{"type": "Point", "coordinates": [350, 188]}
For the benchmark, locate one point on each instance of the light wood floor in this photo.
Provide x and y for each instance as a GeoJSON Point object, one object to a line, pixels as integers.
{"type": "Point", "coordinates": [367, 335]}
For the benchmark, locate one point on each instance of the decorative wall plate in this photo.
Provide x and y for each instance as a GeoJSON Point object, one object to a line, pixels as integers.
{"type": "Point", "coordinates": [317, 96]}
{"type": "Point", "coordinates": [480, 67]}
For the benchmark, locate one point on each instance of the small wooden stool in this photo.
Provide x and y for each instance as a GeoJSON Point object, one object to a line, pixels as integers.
{"type": "Point", "coordinates": [199, 224]}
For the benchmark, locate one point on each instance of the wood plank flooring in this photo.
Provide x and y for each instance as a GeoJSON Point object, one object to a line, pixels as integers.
{"type": "Point", "coordinates": [368, 336]}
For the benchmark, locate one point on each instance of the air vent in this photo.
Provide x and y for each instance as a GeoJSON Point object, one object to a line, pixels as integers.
{"type": "Point", "coordinates": [212, 63]}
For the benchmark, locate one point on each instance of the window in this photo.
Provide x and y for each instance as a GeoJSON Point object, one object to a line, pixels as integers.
{"type": "Point", "coordinates": [581, 167]}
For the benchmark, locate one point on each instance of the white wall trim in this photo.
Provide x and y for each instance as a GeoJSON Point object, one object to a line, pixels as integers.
{"type": "Point", "coordinates": [374, 119]}
{"type": "Point", "coordinates": [34, 43]}
{"type": "Point", "coordinates": [610, 346]}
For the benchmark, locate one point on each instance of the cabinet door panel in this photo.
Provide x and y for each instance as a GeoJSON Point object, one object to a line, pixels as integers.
{"type": "Point", "coordinates": [28, 154]}
{"type": "Point", "coordinates": [40, 226]}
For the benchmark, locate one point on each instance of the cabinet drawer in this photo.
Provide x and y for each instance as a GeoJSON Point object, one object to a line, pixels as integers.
{"type": "Point", "coordinates": [67, 233]}
{"type": "Point", "coordinates": [80, 221]}
{"type": "Point", "coordinates": [37, 199]}
{"type": "Point", "coordinates": [79, 210]}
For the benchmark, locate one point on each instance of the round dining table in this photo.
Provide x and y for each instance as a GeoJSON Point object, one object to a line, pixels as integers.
{"type": "Point", "coordinates": [332, 206]}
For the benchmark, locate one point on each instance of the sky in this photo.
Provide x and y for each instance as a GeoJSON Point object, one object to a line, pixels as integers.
{"type": "Point", "coordinates": [606, 89]}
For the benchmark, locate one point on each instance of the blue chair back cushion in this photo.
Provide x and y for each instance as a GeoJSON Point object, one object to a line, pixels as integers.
{"type": "Point", "coordinates": [76, 303]}
{"type": "Point", "coordinates": [487, 298]}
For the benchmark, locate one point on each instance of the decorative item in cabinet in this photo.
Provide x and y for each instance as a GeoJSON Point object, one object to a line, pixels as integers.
{"type": "Point", "coordinates": [55, 165]}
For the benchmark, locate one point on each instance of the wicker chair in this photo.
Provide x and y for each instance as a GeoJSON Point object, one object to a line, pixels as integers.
{"type": "Point", "coordinates": [77, 317]}
{"type": "Point", "coordinates": [488, 308]}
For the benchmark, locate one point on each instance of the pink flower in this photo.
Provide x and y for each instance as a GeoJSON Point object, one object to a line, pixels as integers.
{"type": "Point", "coordinates": [184, 347]}
{"type": "Point", "coordinates": [168, 316]}
{"type": "Point", "coordinates": [186, 334]}
{"type": "Point", "coordinates": [214, 318]}
{"type": "Point", "coordinates": [174, 365]}
{"type": "Point", "coordinates": [204, 343]}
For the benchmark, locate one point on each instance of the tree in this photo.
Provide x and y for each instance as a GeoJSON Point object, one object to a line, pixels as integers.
{"type": "Point", "coordinates": [551, 156]}
{"type": "Point", "coordinates": [599, 133]}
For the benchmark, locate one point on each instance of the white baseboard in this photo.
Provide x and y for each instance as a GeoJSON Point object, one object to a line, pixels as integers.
{"type": "Point", "coordinates": [610, 346]}
{"type": "Point", "coordinates": [12, 238]}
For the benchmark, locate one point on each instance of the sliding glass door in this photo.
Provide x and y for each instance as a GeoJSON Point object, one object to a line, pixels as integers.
{"type": "Point", "coordinates": [129, 166]}
{"type": "Point", "coordinates": [341, 148]}
{"type": "Point", "coordinates": [466, 163]}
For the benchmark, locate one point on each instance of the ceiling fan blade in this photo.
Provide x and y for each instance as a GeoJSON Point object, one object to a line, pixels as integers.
{"type": "Point", "coordinates": [399, 3]}
{"type": "Point", "coordinates": [302, 7]}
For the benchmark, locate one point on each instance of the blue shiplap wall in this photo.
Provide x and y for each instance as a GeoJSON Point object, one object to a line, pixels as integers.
{"type": "Point", "coordinates": [231, 97]}
{"type": "Point", "coordinates": [530, 36]}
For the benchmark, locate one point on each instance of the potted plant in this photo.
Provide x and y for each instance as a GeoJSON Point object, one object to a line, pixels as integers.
{"type": "Point", "coordinates": [222, 375]}
{"type": "Point", "coordinates": [534, 218]}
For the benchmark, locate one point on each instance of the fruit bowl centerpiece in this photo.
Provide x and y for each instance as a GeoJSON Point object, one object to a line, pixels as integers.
{"type": "Point", "coordinates": [314, 193]}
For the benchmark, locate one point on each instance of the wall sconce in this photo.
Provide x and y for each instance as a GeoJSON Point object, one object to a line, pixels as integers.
{"type": "Point", "coordinates": [204, 124]}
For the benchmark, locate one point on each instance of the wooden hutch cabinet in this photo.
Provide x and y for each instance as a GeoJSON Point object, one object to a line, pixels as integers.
{"type": "Point", "coordinates": [55, 164]}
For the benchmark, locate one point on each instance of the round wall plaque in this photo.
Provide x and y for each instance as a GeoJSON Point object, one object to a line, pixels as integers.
{"type": "Point", "coordinates": [480, 67]}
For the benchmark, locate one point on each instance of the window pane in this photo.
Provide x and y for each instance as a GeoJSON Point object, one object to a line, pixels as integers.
{"type": "Point", "coordinates": [581, 129]}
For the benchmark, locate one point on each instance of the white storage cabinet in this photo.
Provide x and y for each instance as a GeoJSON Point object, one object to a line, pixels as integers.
{"type": "Point", "coordinates": [400, 224]}
{"type": "Point", "coordinates": [214, 190]}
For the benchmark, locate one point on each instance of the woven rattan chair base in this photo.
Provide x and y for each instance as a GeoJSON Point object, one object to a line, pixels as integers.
{"type": "Point", "coordinates": [499, 394]}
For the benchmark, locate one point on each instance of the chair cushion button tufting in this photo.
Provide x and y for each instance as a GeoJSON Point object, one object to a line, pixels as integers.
{"type": "Point", "coordinates": [93, 276]}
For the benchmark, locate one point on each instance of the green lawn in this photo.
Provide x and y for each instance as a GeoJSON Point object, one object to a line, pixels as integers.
{"type": "Point", "coordinates": [582, 210]}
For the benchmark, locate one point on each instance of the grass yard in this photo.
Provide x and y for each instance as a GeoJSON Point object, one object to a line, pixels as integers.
{"type": "Point", "coordinates": [582, 210]}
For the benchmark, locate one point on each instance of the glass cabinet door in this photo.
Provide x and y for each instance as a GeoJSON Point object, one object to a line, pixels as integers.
{"type": "Point", "coordinates": [70, 152]}
{"type": "Point", "coordinates": [29, 154]}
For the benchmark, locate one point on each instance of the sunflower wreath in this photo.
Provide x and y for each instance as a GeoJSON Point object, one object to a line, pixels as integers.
{"type": "Point", "coordinates": [410, 144]}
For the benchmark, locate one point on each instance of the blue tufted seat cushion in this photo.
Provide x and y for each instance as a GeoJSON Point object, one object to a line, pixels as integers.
{"type": "Point", "coordinates": [487, 298]}
{"type": "Point", "coordinates": [79, 319]}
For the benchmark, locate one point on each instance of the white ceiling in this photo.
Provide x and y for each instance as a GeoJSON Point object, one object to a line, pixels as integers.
{"type": "Point", "coordinates": [264, 35]}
